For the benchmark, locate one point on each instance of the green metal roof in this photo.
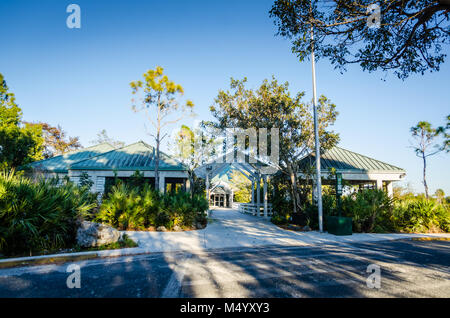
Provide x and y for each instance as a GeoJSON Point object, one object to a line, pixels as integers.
{"type": "Point", "coordinates": [61, 163]}
{"type": "Point", "coordinates": [348, 161]}
{"type": "Point", "coordinates": [137, 156]}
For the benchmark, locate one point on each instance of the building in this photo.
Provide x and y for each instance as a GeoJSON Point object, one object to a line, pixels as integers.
{"type": "Point", "coordinates": [221, 193]}
{"type": "Point", "coordinates": [103, 163]}
{"type": "Point", "coordinates": [356, 169]}
{"type": "Point", "coordinates": [58, 166]}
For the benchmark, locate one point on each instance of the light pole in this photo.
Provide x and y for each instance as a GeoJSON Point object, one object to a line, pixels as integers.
{"type": "Point", "coordinates": [316, 135]}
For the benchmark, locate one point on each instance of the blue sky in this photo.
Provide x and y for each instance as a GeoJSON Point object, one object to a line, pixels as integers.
{"type": "Point", "coordinates": [79, 78]}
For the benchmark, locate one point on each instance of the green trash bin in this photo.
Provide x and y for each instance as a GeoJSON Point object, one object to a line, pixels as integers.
{"type": "Point", "coordinates": [339, 225]}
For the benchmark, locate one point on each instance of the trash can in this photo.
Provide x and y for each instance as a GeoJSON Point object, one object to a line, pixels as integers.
{"type": "Point", "coordinates": [339, 225]}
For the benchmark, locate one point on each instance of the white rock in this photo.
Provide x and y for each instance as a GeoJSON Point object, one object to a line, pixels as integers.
{"type": "Point", "coordinates": [91, 234]}
{"type": "Point", "coordinates": [161, 228]}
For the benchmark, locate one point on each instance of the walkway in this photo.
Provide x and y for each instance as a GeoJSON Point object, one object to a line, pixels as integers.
{"type": "Point", "coordinates": [231, 229]}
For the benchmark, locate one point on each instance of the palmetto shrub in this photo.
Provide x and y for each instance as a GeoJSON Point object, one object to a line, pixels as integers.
{"type": "Point", "coordinates": [371, 210]}
{"type": "Point", "coordinates": [130, 208]}
{"type": "Point", "coordinates": [138, 208]}
{"type": "Point", "coordinates": [421, 215]}
{"type": "Point", "coordinates": [39, 216]}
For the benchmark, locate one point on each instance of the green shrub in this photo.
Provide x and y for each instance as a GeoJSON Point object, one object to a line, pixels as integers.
{"type": "Point", "coordinates": [138, 208]}
{"type": "Point", "coordinates": [127, 208]}
{"type": "Point", "coordinates": [371, 210]}
{"type": "Point", "coordinates": [421, 215]}
{"type": "Point", "coordinates": [279, 219]}
{"type": "Point", "coordinates": [163, 219]}
{"type": "Point", "coordinates": [39, 216]}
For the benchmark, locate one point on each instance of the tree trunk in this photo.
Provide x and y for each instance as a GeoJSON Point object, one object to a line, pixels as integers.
{"type": "Point", "coordinates": [158, 132]}
{"type": "Point", "coordinates": [157, 162]}
{"type": "Point", "coordinates": [424, 174]}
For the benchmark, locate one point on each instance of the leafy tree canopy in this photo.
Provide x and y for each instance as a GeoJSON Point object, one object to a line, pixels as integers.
{"type": "Point", "coordinates": [272, 106]}
{"type": "Point", "coordinates": [55, 140]}
{"type": "Point", "coordinates": [409, 39]}
{"type": "Point", "coordinates": [20, 143]}
{"type": "Point", "coordinates": [159, 98]}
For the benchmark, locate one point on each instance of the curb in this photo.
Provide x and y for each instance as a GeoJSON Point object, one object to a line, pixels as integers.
{"type": "Point", "coordinates": [44, 259]}
{"type": "Point", "coordinates": [437, 238]}
{"type": "Point", "coordinates": [134, 251]}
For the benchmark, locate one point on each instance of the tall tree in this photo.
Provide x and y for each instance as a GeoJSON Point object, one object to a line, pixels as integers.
{"type": "Point", "coordinates": [193, 147]}
{"type": "Point", "coordinates": [409, 39]}
{"type": "Point", "coordinates": [20, 143]}
{"type": "Point", "coordinates": [426, 145]}
{"type": "Point", "coordinates": [103, 137]}
{"type": "Point", "coordinates": [272, 106]}
{"type": "Point", "coordinates": [159, 99]}
{"type": "Point", "coordinates": [56, 141]}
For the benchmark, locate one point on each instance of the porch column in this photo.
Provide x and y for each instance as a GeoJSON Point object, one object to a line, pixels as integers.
{"type": "Point", "coordinates": [162, 182]}
{"type": "Point", "coordinates": [258, 194]}
{"type": "Point", "coordinates": [265, 195]}
{"type": "Point", "coordinates": [100, 187]}
{"type": "Point", "coordinates": [231, 199]}
{"type": "Point", "coordinates": [253, 190]}
{"type": "Point", "coordinates": [379, 184]}
{"type": "Point", "coordinates": [390, 191]}
{"type": "Point", "coordinates": [188, 185]}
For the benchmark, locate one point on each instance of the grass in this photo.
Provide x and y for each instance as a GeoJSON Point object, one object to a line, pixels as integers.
{"type": "Point", "coordinates": [125, 242]}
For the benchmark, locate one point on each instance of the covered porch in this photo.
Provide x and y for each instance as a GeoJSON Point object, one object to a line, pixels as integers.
{"type": "Point", "coordinates": [356, 169]}
{"type": "Point", "coordinates": [253, 169]}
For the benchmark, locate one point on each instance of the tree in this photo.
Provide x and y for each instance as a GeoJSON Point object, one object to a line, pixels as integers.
{"type": "Point", "coordinates": [409, 38]}
{"type": "Point", "coordinates": [55, 140]}
{"type": "Point", "coordinates": [193, 147]}
{"type": "Point", "coordinates": [241, 182]}
{"type": "Point", "coordinates": [20, 143]}
{"type": "Point", "coordinates": [102, 137]}
{"type": "Point", "coordinates": [426, 145]}
{"type": "Point", "coordinates": [272, 106]}
{"type": "Point", "coordinates": [440, 195]}
{"type": "Point", "coordinates": [159, 99]}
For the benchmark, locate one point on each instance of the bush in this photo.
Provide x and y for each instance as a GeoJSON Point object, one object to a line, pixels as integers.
{"type": "Point", "coordinates": [138, 208]}
{"type": "Point", "coordinates": [371, 210]}
{"type": "Point", "coordinates": [39, 216]}
{"type": "Point", "coordinates": [421, 215]}
{"type": "Point", "coordinates": [279, 219]}
{"type": "Point", "coordinates": [127, 208]}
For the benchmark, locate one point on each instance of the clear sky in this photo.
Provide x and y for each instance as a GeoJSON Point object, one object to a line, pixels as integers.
{"type": "Point", "coordinates": [79, 78]}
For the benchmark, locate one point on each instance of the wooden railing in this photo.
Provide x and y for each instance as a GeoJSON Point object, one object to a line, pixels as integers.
{"type": "Point", "coordinates": [252, 208]}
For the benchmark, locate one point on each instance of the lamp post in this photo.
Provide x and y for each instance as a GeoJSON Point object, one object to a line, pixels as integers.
{"type": "Point", "coordinates": [316, 135]}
